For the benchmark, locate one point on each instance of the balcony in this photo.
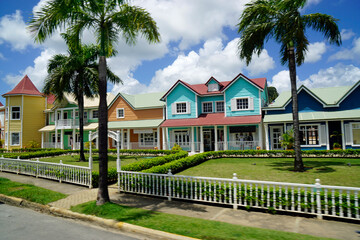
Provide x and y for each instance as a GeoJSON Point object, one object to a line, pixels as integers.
{"type": "Point", "coordinates": [68, 123]}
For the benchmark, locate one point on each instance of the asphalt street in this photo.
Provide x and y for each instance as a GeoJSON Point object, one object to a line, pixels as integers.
{"type": "Point", "coordinates": [19, 223]}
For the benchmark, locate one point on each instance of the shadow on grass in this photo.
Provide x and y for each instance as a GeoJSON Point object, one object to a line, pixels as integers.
{"type": "Point", "coordinates": [318, 166]}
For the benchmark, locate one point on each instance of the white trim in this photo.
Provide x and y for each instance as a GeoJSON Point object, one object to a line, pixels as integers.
{"type": "Point", "coordinates": [245, 78]}
{"type": "Point", "coordinates": [10, 143]}
{"type": "Point", "coordinates": [319, 133]}
{"type": "Point", "coordinates": [351, 134]}
{"type": "Point", "coordinates": [22, 120]}
{"type": "Point", "coordinates": [260, 101]}
{"type": "Point", "coordinates": [196, 106]}
{"type": "Point", "coordinates": [238, 98]}
{"type": "Point", "coordinates": [117, 112]}
{"type": "Point", "coordinates": [11, 117]}
{"type": "Point", "coordinates": [187, 111]}
{"type": "Point", "coordinates": [166, 109]}
{"type": "Point", "coordinates": [215, 110]}
{"type": "Point", "coordinates": [343, 135]}
{"type": "Point", "coordinates": [267, 137]}
{"type": "Point", "coordinates": [347, 94]}
{"type": "Point", "coordinates": [212, 107]}
{"type": "Point", "coordinates": [225, 107]}
{"type": "Point", "coordinates": [327, 135]}
{"type": "Point", "coordinates": [174, 86]}
{"type": "Point", "coordinates": [92, 114]}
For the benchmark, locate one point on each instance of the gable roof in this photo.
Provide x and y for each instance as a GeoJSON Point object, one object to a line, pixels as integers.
{"type": "Point", "coordinates": [88, 102]}
{"type": "Point", "coordinates": [202, 89]}
{"type": "Point", "coordinates": [24, 87]}
{"type": "Point", "coordinates": [328, 97]}
{"type": "Point", "coordinates": [141, 101]}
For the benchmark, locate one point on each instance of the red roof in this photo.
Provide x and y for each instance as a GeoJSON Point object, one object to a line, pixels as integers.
{"type": "Point", "coordinates": [51, 98]}
{"type": "Point", "coordinates": [1, 104]}
{"type": "Point", "coordinates": [212, 119]}
{"type": "Point", "coordinates": [25, 86]}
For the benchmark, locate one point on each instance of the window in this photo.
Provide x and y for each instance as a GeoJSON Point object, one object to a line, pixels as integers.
{"type": "Point", "coordinates": [120, 113]}
{"type": "Point", "coordinates": [85, 115]}
{"type": "Point", "coordinates": [356, 133]}
{"type": "Point", "coordinates": [76, 114]}
{"type": "Point", "coordinates": [6, 114]}
{"type": "Point", "coordinates": [65, 115]}
{"type": "Point", "coordinates": [309, 135]}
{"type": "Point", "coordinates": [15, 138]}
{"type": "Point", "coordinates": [15, 113]}
{"type": "Point", "coordinates": [207, 107]}
{"type": "Point", "coordinates": [219, 106]}
{"type": "Point", "coordinates": [182, 138]}
{"type": "Point", "coordinates": [213, 87]}
{"type": "Point", "coordinates": [180, 107]}
{"type": "Point", "coordinates": [6, 138]}
{"type": "Point", "coordinates": [148, 139]}
{"type": "Point", "coordinates": [95, 114]}
{"type": "Point", "coordinates": [242, 103]}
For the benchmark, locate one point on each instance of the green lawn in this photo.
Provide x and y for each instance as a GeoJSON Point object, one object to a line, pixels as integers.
{"type": "Point", "coordinates": [330, 171]}
{"type": "Point", "coordinates": [74, 160]}
{"type": "Point", "coordinates": [29, 192]}
{"type": "Point", "coordinates": [187, 226]}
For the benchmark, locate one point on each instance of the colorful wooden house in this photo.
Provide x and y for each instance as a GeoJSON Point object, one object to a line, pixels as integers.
{"type": "Point", "coordinates": [24, 114]}
{"type": "Point", "coordinates": [62, 122]}
{"type": "Point", "coordinates": [137, 118]}
{"type": "Point", "coordinates": [2, 123]}
{"type": "Point", "coordinates": [329, 118]}
{"type": "Point", "coordinates": [215, 115]}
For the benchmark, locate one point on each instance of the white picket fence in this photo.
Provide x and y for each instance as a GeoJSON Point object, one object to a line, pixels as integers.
{"type": "Point", "coordinates": [314, 199]}
{"type": "Point", "coordinates": [55, 171]}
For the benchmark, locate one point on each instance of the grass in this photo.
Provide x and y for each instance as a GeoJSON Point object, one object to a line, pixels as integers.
{"type": "Point", "coordinates": [330, 171]}
{"type": "Point", "coordinates": [74, 160]}
{"type": "Point", "coordinates": [29, 192]}
{"type": "Point", "coordinates": [187, 226]}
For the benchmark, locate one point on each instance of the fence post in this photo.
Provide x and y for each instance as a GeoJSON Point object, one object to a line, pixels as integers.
{"type": "Point", "coordinates": [90, 167]}
{"type": "Point", "coordinates": [1, 163]}
{"type": "Point", "coordinates": [169, 186]}
{"type": "Point", "coordinates": [37, 167]}
{"type": "Point", "coordinates": [18, 165]}
{"type": "Point", "coordinates": [118, 167]}
{"type": "Point", "coordinates": [90, 146]}
{"type": "Point", "coordinates": [60, 171]}
{"type": "Point", "coordinates": [318, 199]}
{"type": "Point", "coordinates": [235, 205]}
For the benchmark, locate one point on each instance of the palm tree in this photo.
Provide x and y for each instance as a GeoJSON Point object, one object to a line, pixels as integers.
{"type": "Point", "coordinates": [77, 74]}
{"type": "Point", "coordinates": [107, 19]}
{"type": "Point", "coordinates": [281, 20]}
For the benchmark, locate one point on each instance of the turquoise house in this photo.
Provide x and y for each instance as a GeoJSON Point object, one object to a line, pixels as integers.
{"type": "Point", "coordinates": [215, 115]}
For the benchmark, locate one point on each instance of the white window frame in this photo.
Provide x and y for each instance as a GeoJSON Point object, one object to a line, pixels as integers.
{"type": "Point", "coordinates": [52, 117]}
{"type": "Point", "coordinates": [11, 113]}
{"type": "Point", "coordinates": [92, 114]}
{"type": "Point", "coordinates": [213, 87]}
{"type": "Point", "coordinates": [143, 143]}
{"type": "Point", "coordinates": [11, 142]}
{"type": "Point", "coordinates": [6, 138]}
{"type": "Point", "coordinates": [182, 135]}
{"type": "Point", "coordinates": [244, 109]}
{"type": "Point", "coordinates": [319, 134]}
{"type": "Point", "coordinates": [187, 111]}
{"type": "Point", "coordinates": [351, 133]}
{"type": "Point", "coordinates": [216, 106]}
{"type": "Point", "coordinates": [203, 108]}
{"type": "Point", "coordinates": [117, 113]}
{"type": "Point", "coordinates": [6, 113]}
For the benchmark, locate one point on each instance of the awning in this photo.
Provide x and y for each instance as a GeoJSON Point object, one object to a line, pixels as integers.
{"type": "Point", "coordinates": [48, 128]}
{"type": "Point", "coordinates": [149, 123]}
{"type": "Point", "coordinates": [91, 126]}
{"type": "Point", "coordinates": [212, 119]}
{"type": "Point", "coordinates": [312, 116]}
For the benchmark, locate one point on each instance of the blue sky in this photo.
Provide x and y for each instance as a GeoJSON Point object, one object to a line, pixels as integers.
{"type": "Point", "coordinates": [199, 40]}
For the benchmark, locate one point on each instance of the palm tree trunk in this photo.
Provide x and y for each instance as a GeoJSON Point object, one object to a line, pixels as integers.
{"type": "Point", "coordinates": [298, 163]}
{"type": "Point", "coordinates": [103, 193]}
{"type": "Point", "coordinates": [81, 125]}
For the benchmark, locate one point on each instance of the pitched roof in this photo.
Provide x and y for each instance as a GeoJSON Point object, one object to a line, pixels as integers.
{"type": "Point", "coordinates": [26, 87]}
{"type": "Point", "coordinates": [1, 104]}
{"type": "Point", "coordinates": [141, 101]}
{"type": "Point", "coordinates": [51, 99]}
{"type": "Point", "coordinates": [147, 123]}
{"type": "Point", "coordinates": [212, 119]}
{"type": "Point", "coordinates": [88, 102]}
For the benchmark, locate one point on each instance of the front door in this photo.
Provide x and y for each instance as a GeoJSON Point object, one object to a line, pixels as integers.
{"type": "Point", "coordinates": [208, 140]}
{"type": "Point", "coordinates": [276, 133]}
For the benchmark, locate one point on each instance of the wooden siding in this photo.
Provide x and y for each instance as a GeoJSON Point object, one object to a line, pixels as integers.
{"type": "Point", "coordinates": [131, 114]}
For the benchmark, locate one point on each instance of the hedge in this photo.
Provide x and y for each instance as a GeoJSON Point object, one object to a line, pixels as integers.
{"type": "Point", "coordinates": [112, 177]}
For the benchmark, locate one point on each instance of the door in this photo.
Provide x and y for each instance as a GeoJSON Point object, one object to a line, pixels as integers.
{"type": "Point", "coordinates": [208, 140]}
{"type": "Point", "coordinates": [276, 133]}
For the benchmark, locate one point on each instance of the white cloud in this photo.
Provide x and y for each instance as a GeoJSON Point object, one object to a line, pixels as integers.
{"type": "Point", "coordinates": [346, 34]}
{"type": "Point", "coordinates": [348, 54]}
{"type": "Point", "coordinates": [281, 81]}
{"type": "Point", "coordinates": [315, 52]}
{"type": "Point", "coordinates": [2, 56]}
{"type": "Point", "coordinates": [13, 31]}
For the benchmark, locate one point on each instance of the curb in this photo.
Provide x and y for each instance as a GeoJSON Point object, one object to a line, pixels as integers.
{"type": "Point", "coordinates": [108, 223]}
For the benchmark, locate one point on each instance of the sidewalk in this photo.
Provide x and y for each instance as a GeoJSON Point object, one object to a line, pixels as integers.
{"type": "Point", "coordinates": [310, 226]}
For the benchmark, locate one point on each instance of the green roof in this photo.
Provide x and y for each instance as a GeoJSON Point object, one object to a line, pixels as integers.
{"type": "Point", "coordinates": [147, 100]}
{"type": "Point", "coordinates": [149, 123]}
{"type": "Point", "coordinates": [329, 95]}
{"type": "Point", "coordinates": [310, 116]}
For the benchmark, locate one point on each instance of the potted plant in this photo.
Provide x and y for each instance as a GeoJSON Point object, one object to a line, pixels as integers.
{"type": "Point", "coordinates": [336, 146]}
{"type": "Point", "coordinates": [287, 140]}
{"type": "Point", "coordinates": [337, 136]}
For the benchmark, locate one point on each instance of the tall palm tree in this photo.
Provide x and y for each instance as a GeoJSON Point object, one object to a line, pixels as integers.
{"type": "Point", "coordinates": [282, 21]}
{"type": "Point", "coordinates": [76, 74]}
{"type": "Point", "coordinates": [108, 19]}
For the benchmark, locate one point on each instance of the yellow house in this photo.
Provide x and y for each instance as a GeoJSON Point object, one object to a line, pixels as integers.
{"type": "Point", "coordinates": [24, 115]}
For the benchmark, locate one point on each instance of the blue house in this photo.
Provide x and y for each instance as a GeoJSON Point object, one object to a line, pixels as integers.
{"type": "Point", "coordinates": [327, 116]}
{"type": "Point", "coordinates": [215, 115]}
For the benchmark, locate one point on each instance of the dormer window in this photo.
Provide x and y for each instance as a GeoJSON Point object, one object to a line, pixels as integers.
{"type": "Point", "coordinates": [213, 87]}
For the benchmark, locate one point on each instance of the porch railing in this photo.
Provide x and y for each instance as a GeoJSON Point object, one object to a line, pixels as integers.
{"type": "Point", "coordinates": [231, 145]}
{"type": "Point", "coordinates": [313, 199]}
{"type": "Point", "coordinates": [55, 171]}
{"type": "Point", "coordinates": [68, 123]}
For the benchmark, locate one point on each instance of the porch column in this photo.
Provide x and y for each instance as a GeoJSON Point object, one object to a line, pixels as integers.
{"type": "Point", "coordinates": [73, 140]}
{"type": "Point", "coordinates": [201, 139]}
{"type": "Point", "coordinates": [55, 118]}
{"type": "Point", "coordinates": [167, 138]}
{"type": "Point", "coordinates": [128, 138]}
{"type": "Point", "coordinates": [74, 121]}
{"type": "Point", "coordinates": [192, 140]}
{"type": "Point", "coordinates": [261, 135]}
{"type": "Point", "coordinates": [62, 139]}
{"type": "Point", "coordinates": [225, 138]}
{"type": "Point", "coordinates": [122, 139]}
{"type": "Point", "coordinates": [158, 138]}
{"type": "Point", "coordinates": [267, 137]}
{"type": "Point", "coordinates": [327, 136]}
{"type": "Point", "coordinates": [163, 139]}
{"type": "Point", "coordinates": [42, 139]}
{"type": "Point", "coordinates": [216, 138]}
{"type": "Point", "coordinates": [343, 135]}
{"type": "Point", "coordinates": [56, 138]}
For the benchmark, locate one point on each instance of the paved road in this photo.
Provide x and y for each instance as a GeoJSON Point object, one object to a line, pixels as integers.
{"type": "Point", "coordinates": [19, 223]}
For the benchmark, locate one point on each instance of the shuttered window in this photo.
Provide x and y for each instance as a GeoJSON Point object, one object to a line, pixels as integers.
{"type": "Point", "coordinates": [241, 104]}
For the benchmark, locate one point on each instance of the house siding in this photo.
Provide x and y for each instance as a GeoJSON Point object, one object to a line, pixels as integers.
{"type": "Point", "coordinates": [181, 94]}
{"type": "Point", "coordinates": [33, 119]}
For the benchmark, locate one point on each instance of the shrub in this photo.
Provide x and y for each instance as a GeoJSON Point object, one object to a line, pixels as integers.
{"type": "Point", "coordinates": [112, 177]}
